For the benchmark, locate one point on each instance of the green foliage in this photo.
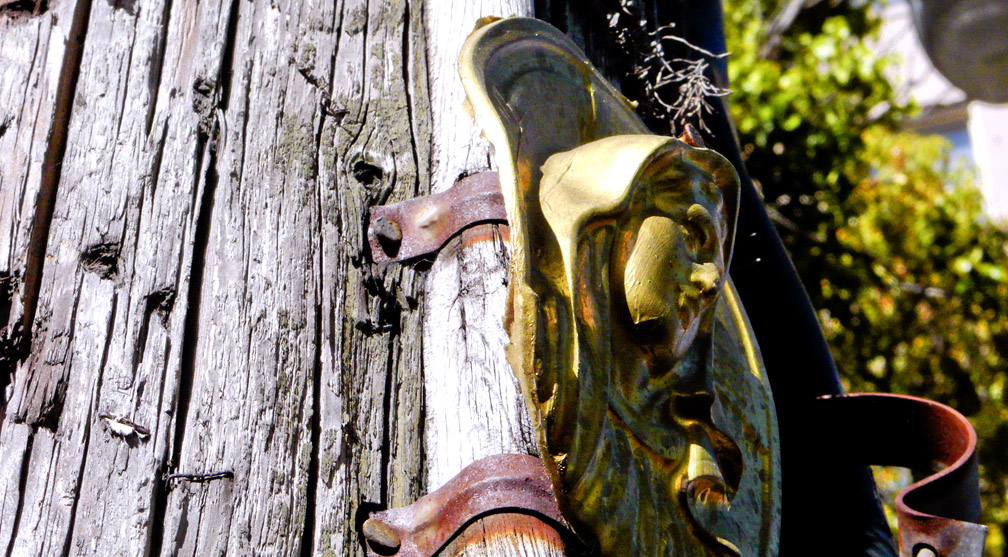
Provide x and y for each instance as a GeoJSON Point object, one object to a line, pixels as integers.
{"type": "Point", "coordinates": [909, 278]}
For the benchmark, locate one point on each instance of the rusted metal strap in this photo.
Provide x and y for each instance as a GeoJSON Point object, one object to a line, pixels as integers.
{"type": "Point", "coordinates": [937, 514]}
{"type": "Point", "coordinates": [421, 226]}
{"type": "Point", "coordinates": [506, 483]}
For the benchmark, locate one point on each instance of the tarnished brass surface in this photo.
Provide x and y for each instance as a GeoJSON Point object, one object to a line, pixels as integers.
{"type": "Point", "coordinates": [646, 388]}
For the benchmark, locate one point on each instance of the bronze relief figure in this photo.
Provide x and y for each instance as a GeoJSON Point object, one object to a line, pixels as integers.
{"type": "Point", "coordinates": [652, 410]}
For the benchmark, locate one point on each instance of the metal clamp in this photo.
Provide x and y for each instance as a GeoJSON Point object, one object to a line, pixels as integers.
{"type": "Point", "coordinates": [937, 514]}
{"type": "Point", "coordinates": [511, 483]}
{"type": "Point", "coordinates": [416, 227]}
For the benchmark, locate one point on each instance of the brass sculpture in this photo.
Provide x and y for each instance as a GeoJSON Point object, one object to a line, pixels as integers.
{"type": "Point", "coordinates": [646, 389]}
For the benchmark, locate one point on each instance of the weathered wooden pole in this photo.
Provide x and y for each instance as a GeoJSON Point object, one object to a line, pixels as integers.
{"type": "Point", "coordinates": [473, 403]}
{"type": "Point", "coordinates": [198, 354]}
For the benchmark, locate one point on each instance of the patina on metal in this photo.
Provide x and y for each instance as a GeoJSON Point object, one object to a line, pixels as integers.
{"type": "Point", "coordinates": [936, 514]}
{"type": "Point", "coordinates": [420, 226]}
{"type": "Point", "coordinates": [645, 386]}
{"type": "Point", "coordinates": [512, 483]}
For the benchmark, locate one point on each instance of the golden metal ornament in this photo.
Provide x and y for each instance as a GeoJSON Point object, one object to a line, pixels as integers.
{"type": "Point", "coordinates": [645, 385]}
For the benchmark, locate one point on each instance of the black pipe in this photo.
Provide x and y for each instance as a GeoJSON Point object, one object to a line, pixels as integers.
{"type": "Point", "coordinates": [828, 509]}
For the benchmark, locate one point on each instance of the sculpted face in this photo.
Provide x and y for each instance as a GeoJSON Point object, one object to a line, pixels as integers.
{"type": "Point", "coordinates": [643, 228]}
{"type": "Point", "coordinates": [671, 281]}
{"type": "Point", "coordinates": [672, 262]}
{"type": "Point", "coordinates": [670, 255]}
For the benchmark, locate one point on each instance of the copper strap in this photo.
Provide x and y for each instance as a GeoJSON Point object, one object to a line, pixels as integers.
{"type": "Point", "coordinates": [502, 483]}
{"type": "Point", "coordinates": [938, 513]}
{"type": "Point", "coordinates": [421, 226]}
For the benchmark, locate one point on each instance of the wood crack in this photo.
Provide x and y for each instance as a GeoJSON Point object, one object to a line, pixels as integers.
{"type": "Point", "coordinates": [155, 173]}
{"type": "Point", "coordinates": [210, 101]}
{"type": "Point", "coordinates": [86, 436]}
{"type": "Point", "coordinates": [190, 338]}
{"type": "Point", "coordinates": [227, 55]}
{"type": "Point", "coordinates": [13, 348]}
{"type": "Point", "coordinates": [52, 165]}
{"type": "Point", "coordinates": [122, 103]}
{"type": "Point", "coordinates": [315, 424]}
{"type": "Point", "coordinates": [156, 71]}
{"type": "Point", "coordinates": [386, 449]}
{"type": "Point", "coordinates": [407, 88]}
{"type": "Point", "coordinates": [311, 489]}
{"type": "Point", "coordinates": [22, 483]}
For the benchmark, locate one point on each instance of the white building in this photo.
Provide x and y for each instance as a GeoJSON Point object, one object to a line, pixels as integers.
{"type": "Point", "coordinates": [978, 131]}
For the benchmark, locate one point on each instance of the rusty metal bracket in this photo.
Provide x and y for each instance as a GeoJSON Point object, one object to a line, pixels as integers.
{"type": "Point", "coordinates": [511, 483]}
{"type": "Point", "coordinates": [416, 227]}
{"type": "Point", "coordinates": [937, 516]}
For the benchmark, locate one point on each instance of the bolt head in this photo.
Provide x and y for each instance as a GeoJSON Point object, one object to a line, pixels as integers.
{"type": "Point", "coordinates": [381, 538]}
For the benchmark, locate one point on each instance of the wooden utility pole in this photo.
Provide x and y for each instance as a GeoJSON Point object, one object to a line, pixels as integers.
{"type": "Point", "coordinates": [473, 403]}
{"type": "Point", "coordinates": [198, 356]}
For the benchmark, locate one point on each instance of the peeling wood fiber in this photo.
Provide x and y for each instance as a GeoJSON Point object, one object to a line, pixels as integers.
{"type": "Point", "coordinates": [184, 191]}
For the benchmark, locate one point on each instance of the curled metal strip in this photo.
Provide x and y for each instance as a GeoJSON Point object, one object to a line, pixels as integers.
{"type": "Point", "coordinates": [938, 513]}
{"type": "Point", "coordinates": [421, 226]}
{"type": "Point", "coordinates": [496, 484]}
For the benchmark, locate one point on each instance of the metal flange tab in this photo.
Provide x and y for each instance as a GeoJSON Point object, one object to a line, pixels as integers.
{"type": "Point", "coordinates": [420, 226]}
{"type": "Point", "coordinates": [937, 514]}
{"type": "Point", "coordinates": [511, 483]}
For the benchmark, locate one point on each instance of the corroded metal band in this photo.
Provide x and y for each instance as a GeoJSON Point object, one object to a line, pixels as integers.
{"type": "Point", "coordinates": [938, 513]}
{"type": "Point", "coordinates": [506, 483]}
{"type": "Point", "coordinates": [421, 226]}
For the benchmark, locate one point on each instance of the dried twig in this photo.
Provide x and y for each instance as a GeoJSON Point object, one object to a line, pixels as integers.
{"type": "Point", "coordinates": [676, 88]}
{"type": "Point", "coordinates": [679, 85]}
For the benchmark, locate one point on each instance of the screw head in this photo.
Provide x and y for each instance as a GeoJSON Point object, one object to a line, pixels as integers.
{"type": "Point", "coordinates": [708, 492]}
{"type": "Point", "coordinates": [691, 136]}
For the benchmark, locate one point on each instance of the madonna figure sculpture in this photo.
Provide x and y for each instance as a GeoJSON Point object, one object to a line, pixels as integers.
{"type": "Point", "coordinates": [652, 411]}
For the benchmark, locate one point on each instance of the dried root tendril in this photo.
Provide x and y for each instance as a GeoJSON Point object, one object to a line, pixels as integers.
{"type": "Point", "coordinates": [678, 88]}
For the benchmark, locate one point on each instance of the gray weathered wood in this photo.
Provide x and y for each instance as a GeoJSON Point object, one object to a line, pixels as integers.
{"type": "Point", "coordinates": [474, 406]}
{"type": "Point", "coordinates": [370, 367]}
{"type": "Point", "coordinates": [31, 55]}
{"type": "Point", "coordinates": [474, 403]}
{"type": "Point", "coordinates": [209, 167]}
{"type": "Point", "coordinates": [32, 51]}
{"type": "Point", "coordinates": [185, 277]}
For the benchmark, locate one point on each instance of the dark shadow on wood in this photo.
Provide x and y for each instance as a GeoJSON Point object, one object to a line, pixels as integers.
{"type": "Point", "coordinates": [311, 489]}
{"type": "Point", "coordinates": [22, 481]}
{"type": "Point", "coordinates": [52, 167]}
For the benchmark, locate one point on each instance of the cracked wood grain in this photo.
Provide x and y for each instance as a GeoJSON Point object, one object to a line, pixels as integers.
{"type": "Point", "coordinates": [368, 449]}
{"type": "Point", "coordinates": [473, 403]}
{"type": "Point", "coordinates": [187, 190]}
